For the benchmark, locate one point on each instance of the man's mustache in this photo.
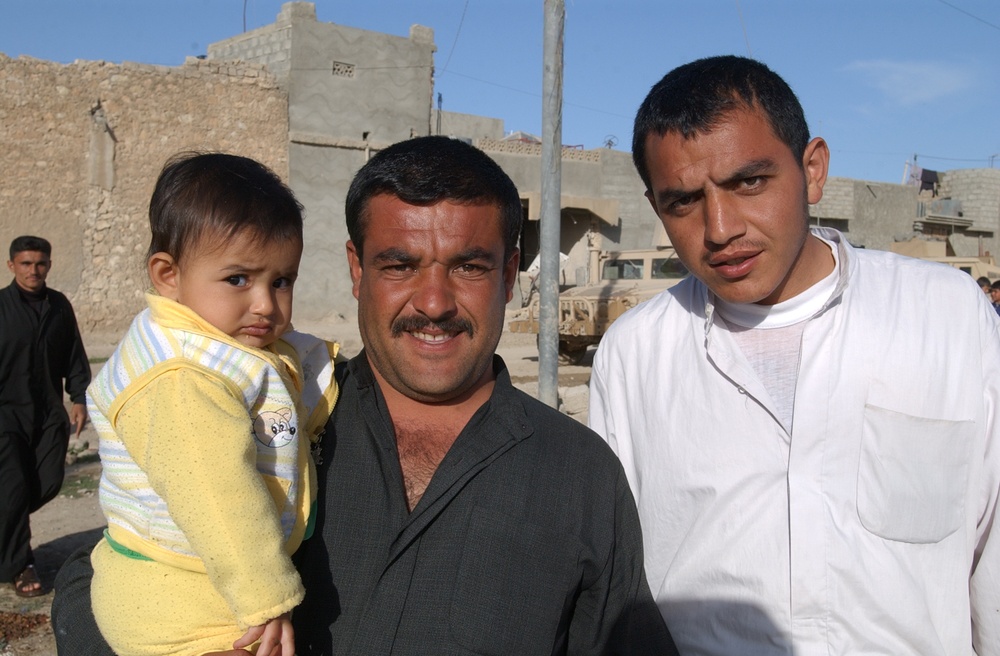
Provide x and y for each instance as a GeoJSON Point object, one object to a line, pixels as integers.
{"type": "Point", "coordinates": [419, 324]}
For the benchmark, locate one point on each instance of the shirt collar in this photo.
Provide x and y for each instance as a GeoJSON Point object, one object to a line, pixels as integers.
{"type": "Point", "coordinates": [503, 409]}
{"type": "Point", "coordinates": [171, 314]}
{"type": "Point", "coordinates": [846, 261]}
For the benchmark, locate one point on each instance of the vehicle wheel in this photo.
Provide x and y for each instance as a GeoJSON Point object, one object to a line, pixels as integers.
{"type": "Point", "coordinates": [571, 353]}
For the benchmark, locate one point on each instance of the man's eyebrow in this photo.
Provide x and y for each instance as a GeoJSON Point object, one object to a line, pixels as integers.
{"type": "Point", "coordinates": [475, 253]}
{"type": "Point", "coordinates": [667, 196]}
{"type": "Point", "coordinates": [749, 170]}
{"type": "Point", "coordinates": [393, 255]}
{"type": "Point", "coordinates": [398, 255]}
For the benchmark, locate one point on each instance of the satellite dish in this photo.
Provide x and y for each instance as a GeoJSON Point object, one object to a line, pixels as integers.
{"type": "Point", "coordinates": [610, 141]}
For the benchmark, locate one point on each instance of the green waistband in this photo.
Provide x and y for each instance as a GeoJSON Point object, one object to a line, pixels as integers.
{"type": "Point", "coordinates": [123, 550]}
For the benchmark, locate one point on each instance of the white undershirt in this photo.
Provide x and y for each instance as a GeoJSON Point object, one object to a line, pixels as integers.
{"type": "Point", "coordinates": [770, 337]}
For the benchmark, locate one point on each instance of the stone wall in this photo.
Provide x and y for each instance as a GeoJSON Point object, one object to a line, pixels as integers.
{"type": "Point", "coordinates": [883, 213]}
{"type": "Point", "coordinates": [870, 214]}
{"type": "Point", "coordinates": [598, 174]}
{"type": "Point", "coordinates": [81, 146]}
{"type": "Point", "coordinates": [979, 192]}
{"type": "Point", "coordinates": [837, 201]}
{"type": "Point", "coordinates": [535, 150]}
{"type": "Point", "coordinates": [466, 126]}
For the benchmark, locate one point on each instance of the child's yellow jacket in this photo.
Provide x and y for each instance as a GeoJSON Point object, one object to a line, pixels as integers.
{"type": "Point", "coordinates": [206, 470]}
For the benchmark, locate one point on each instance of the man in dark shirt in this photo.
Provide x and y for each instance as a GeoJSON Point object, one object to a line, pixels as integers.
{"type": "Point", "coordinates": [456, 514]}
{"type": "Point", "coordinates": [40, 348]}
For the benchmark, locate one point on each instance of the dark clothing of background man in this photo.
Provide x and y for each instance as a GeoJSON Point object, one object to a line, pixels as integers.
{"type": "Point", "coordinates": [40, 347]}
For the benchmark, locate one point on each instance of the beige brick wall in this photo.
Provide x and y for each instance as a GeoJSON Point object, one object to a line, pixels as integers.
{"type": "Point", "coordinates": [81, 146]}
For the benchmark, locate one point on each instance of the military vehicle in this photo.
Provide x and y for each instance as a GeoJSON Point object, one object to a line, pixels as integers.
{"type": "Point", "coordinates": [939, 251]}
{"type": "Point", "coordinates": [618, 281]}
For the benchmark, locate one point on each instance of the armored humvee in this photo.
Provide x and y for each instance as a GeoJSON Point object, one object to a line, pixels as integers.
{"type": "Point", "coordinates": [940, 251]}
{"type": "Point", "coordinates": [618, 281]}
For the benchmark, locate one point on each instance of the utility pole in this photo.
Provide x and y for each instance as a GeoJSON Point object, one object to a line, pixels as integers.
{"type": "Point", "coordinates": [548, 277]}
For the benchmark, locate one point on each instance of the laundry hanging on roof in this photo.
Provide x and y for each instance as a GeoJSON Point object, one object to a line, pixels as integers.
{"type": "Point", "coordinates": [929, 180]}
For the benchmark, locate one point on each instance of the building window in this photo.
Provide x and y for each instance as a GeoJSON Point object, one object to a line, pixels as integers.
{"type": "Point", "coordinates": [343, 69]}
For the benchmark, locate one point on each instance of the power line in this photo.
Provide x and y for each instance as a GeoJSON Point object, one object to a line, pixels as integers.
{"type": "Point", "coordinates": [953, 159]}
{"type": "Point", "coordinates": [973, 16]}
{"type": "Point", "coordinates": [744, 26]}
{"type": "Point", "coordinates": [457, 32]}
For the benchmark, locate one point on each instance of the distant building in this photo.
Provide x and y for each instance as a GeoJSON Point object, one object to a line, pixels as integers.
{"type": "Point", "coordinates": [962, 208]}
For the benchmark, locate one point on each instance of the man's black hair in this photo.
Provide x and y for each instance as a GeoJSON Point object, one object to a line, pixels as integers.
{"type": "Point", "coordinates": [29, 243]}
{"type": "Point", "coordinates": [694, 98]}
{"type": "Point", "coordinates": [426, 170]}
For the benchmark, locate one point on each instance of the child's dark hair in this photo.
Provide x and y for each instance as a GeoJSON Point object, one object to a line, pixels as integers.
{"type": "Point", "coordinates": [223, 195]}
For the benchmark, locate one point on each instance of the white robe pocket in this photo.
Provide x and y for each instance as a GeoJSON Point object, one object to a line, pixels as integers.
{"type": "Point", "coordinates": [913, 475]}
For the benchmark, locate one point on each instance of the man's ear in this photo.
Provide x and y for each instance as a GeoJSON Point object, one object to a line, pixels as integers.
{"type": "Point", "coordinates": [816, 165]}
{"type": "Point", "coordinates": [10, 266]}
{"type": "Point", "coordinates": [354, 263]}
{"type": "Point", "coordinates": [652, 202]}
{"type": "Point", "coordinates": [510, 273]}
{"type": "Point", "coordinates": [164, 274]}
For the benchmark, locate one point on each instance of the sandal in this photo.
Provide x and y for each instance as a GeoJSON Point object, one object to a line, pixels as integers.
{"type": "Point", "coordinates": [25, 581]}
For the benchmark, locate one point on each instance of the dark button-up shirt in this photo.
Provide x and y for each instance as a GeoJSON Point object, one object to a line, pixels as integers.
{"type": "Point", "coordinates": [526, 540]}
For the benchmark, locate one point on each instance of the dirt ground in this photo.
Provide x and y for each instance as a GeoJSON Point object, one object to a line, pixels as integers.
{"type": "Point", "coordinates": [73, 519]}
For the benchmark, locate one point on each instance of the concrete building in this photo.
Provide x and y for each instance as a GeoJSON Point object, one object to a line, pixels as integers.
{"type": "Point", "coordinates": [962, 210]}
{"type": "Point", "coordinates": [349, 91]}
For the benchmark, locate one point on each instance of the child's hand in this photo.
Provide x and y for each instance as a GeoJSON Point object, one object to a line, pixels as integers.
{"type": "Point", "coordinates": [276, 637]}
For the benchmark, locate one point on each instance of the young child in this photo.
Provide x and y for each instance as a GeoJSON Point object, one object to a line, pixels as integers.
{"type": "Point", "coordinates": [206, 413]}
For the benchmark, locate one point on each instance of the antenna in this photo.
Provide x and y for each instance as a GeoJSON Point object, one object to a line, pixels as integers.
{"type": "Point", "coordinates": [440, 102]}
{"type": "Point", "coordinates": [610, 141]}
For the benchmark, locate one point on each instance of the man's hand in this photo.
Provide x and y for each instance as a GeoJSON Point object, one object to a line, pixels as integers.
{"type": "Point", "coordinates": [276, 637]}
{"type": "Point", "coordinates": [78, 417]}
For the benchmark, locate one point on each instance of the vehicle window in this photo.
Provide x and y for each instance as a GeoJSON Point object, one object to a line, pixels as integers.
{"type": "Point", "coordinates": [667, 268]}
{"type": "Point", "coordinates": [622, 270]}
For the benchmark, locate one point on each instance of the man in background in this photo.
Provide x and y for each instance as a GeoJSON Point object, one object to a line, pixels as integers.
{"type": "Point", "coordinates": [811, 431]}
{"type": "Point", "coordinates": [40, 352]}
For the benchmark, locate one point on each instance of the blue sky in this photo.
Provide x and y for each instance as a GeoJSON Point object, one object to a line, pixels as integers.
{"type": "Point", "coordinates": [881, 80]}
